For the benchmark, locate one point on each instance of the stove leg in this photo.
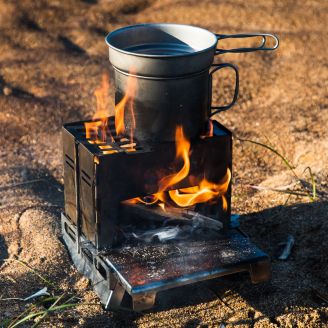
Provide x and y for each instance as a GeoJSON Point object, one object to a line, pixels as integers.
{"type": "Point", "coordinates": [143, 301]}
{"type": "Point", "coordinates": [115, 297]}
{"type": "Point", "coordinates": [260, 271]}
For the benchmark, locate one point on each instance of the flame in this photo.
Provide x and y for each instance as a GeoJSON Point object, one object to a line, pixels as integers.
{"type": "Point", "coordinates": [97, 130]}
{"type": "Point", "coordinates": [119, 115]}
{"type": "Point", "coordinates": [100, 118]}
{"type": "Point", "coordinates": [101, 94]}
{"type": "Point", "coordinates": [206, 191]}
{"type": "Point", "coordinates": [91, 129]}
{"type": "Point", "coordinates": [148, 200]}
{"type": "Point", "coordinates": [121, 106]}
{"type": "Point", "coordinates": [182, 152]}
{"type": "Point", "coordinates": [210, 130]}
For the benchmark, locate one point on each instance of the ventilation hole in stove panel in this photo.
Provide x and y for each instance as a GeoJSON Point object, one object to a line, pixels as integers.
{"type": "Point", "coordinates": [108, 152]}
{"type": "Point", "coordinates": [106, 147]}
{"type": "Point", "coordinates": [87, 254]}
{"type": "Point", "coordinates": [69, 159]}
{"type": "Point", "coordinates": [70, 232]}
{"type": "Point", "coordinates": [96, 142]}
{"type": "Point", "coordinates": [69, 164]}
{"type": "Point", "coordinates": [86, 181]}
{"type": "Point", "coordinates": [128, 145]}
{"type": "Point", "coordinates": [86, 174]}
{"type": "Point", "coordinates": [102, 271]}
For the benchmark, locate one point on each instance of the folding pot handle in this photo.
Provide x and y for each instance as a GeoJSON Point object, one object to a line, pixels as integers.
{"type": "Point", "coordinates": [218, 109]}
{"type": "Point", "coordinates": [261, 46]}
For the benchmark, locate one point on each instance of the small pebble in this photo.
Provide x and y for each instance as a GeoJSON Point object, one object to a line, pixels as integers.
{"type": "Point", "coordinates": [7, 91]}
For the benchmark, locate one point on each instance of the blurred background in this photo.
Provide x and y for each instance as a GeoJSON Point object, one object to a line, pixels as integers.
{"type": "Point", "coordinates": [52, 58]}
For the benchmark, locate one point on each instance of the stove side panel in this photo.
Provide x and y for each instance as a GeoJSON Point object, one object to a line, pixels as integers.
{"type": "Point", "coordinates": [87, 193]}
{"type": "Point", "coordinates": [70, 175]}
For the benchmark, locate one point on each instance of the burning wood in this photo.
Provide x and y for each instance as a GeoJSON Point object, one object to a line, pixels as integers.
{"type": "Point", "coordinates": [162, 234]}
{"type": "Point", "coordinates": [206, 191]}
{"type": "Point", "coordinates": [202, 221]}
{"type": "Point", "coordinates": [172, 215]}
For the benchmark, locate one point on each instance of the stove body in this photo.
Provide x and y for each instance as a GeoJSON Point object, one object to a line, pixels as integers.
{"type": "Point", "coordinates": [99, 176]}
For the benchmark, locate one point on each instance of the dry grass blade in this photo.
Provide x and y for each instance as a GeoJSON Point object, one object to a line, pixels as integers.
{"type": "Point", "coordinates": [286, 191]}
{"type": "Point", "coordinates": [284, 159]}
{"type": "Point", "coordinates": [47, 312]}
{"type": "Point", "coordinates": [289, 166]}
{"type": "Point", "coordinates": [314, 186]}
{"type": "Point", "coordinates": [48, 282]}
{"type": "Point", "coordinates": [30, 308]}
{"type": "Point", "coordinates": [44, 313]}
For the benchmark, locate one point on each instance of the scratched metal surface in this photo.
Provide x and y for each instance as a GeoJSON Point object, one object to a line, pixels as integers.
{"type": "Point", "coordinates": [152, 267]}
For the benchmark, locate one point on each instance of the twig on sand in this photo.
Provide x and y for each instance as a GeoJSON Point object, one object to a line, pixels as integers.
{"type": "Point", "coordinates": [284, 191]}
{"type": "Point", "coordinates": [282, 188]}
{"type": "Point", "coordinates": [42, 292]}
{"type": "Point", "coordinates": [287, 249]}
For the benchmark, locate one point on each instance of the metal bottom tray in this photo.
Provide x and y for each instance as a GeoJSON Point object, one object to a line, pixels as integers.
{"type": "Point", "coordinates": [144, 270]}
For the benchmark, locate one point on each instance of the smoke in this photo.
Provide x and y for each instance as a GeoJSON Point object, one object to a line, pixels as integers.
{"type": "Point", "coordinates": [195, 226]}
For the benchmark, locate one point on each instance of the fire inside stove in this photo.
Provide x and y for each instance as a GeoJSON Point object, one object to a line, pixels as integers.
{"type": "Point", "coordinates": [110, 137]}
{"type": "Point", "coordinates": [141, 217]}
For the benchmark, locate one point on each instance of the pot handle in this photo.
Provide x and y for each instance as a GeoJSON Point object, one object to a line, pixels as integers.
{"type": "Point", "coordinates": [218, 109]}
{"type": "Point", "coordinates": [262, 46]}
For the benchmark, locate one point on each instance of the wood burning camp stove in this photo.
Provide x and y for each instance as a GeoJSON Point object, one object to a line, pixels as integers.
{"type": "Point", "coordinates": [122, 240]}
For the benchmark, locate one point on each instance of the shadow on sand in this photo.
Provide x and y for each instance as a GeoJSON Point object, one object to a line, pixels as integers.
{"type": "Point", "coordinates": [301, 275]}
{"type": "Point", "coordinates": [3, 250]}
{"type": "Point", "coordinates": [304, 272]}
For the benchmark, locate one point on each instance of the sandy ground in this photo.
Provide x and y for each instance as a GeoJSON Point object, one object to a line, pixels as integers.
{"type": "Point", "coordinates": [52, 56]}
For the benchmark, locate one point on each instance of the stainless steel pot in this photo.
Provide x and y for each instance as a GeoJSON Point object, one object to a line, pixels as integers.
{"type": "Point", "coordinates": [171, 63]}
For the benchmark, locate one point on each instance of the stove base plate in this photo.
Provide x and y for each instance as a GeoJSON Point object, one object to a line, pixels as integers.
{"type": "Point", "coordinates": [142, 271]}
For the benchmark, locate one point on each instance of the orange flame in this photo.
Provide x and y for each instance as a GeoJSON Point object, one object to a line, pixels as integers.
{"type": "Point", "coordinates": [182, 152]}
{"type": "Point", "coordinates": [99, 124]}
{"type": "Point", "coordinates": [210, 130]}
{"type": "Point", "coordinates": [206, 191]}
{"type": "Point", "coordinates": [120, 107]}
{"type": "Point", "coordinates": [97, 129]}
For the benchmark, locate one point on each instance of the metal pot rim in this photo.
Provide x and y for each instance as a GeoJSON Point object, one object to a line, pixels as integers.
{"type": "Point", "coordinates": [162, 78]}
{"type": "Point", "coordinates": [117, 31]}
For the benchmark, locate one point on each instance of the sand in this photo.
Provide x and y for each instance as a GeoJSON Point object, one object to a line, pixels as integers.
{"type": "Point", "coordinates": [52, 57]}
